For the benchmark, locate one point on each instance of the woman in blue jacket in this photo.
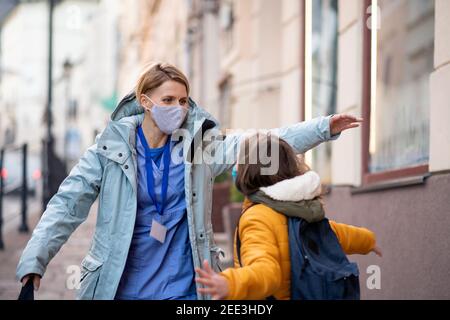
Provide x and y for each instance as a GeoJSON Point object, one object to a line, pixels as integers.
{"type": "Point", "coordinates": [152, 169]}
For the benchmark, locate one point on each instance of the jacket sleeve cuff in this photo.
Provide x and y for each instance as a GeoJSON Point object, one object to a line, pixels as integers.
{"type": "Point", "coordinates": [22, 271]}
{"type": "Point", "coordinates": [327, 129]}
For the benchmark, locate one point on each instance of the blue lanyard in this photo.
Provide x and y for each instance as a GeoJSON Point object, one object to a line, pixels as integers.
{"type": "Point", "coordinates": [149, 169]}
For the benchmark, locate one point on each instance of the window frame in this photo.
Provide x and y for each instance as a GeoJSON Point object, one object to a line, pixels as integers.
{"type": "Point", "coordinates": [369, 178]}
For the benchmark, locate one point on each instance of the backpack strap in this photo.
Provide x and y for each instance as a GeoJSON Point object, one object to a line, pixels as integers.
{"type": "Point", "coordinates": [238, 239]}
{"type": "Point", "coordinates": [238, 245]}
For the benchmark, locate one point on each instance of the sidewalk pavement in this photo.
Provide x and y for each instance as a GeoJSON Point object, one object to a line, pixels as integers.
{"type": "Point", "coordinates": [53, 284]}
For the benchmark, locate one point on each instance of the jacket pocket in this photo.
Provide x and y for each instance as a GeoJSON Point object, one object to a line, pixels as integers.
{"type": "Point", "coordinates": [343, 284]}
{"type": "Point", "coordinates": [90, 273]}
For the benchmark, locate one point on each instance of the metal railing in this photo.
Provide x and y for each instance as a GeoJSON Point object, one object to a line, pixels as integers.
{"type": "Point", "coordinates": [22, 186]}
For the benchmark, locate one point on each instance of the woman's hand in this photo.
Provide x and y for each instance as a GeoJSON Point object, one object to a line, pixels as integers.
{"type": "Point", "coordinates": [341, 122]}
{"type": "Point", "coordinates": [216, 285]}
{"type": "Point", "coordinates": [377, 251]}
{"type": "Point", "coordinates": [36, 280]}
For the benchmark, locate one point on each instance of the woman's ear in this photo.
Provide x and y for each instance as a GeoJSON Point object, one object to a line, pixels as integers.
{"type": "Point", "coordinates": [144, 101]}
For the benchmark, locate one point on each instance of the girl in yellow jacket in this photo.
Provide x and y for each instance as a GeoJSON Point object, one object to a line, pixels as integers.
{"type": "Point", "coordinates": [275, 189]}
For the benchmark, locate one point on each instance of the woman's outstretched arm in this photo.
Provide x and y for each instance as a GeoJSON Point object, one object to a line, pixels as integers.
{"type": "Point", "coordinates": [302, 136]}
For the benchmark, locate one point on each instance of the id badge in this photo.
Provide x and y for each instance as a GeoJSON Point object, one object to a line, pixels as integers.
{"type": "Point", "coordinates": [158, 231]}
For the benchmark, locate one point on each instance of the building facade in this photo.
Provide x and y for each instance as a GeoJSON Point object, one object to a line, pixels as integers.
{"type": "Point", "coordinates": [265, 64]}
{"type": "Point", "coordinates": [150, 31]}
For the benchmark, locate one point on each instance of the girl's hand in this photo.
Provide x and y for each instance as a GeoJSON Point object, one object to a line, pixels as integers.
{"type": "Point", "coordinates": [216, 285]}
{"type": "Point", "coordinates": [377, 251]}
{"type": "Point", "coordinates": [341, 122]}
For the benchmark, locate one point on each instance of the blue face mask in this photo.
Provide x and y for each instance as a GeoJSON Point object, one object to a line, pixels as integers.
{"type": "Point", "coordinates": [234, 173]}
{"type": "Point", "coordinates": [167, 118]}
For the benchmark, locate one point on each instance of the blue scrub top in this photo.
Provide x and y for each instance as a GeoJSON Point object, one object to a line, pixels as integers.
{"type": "Point", "coordinates": [157, 270]}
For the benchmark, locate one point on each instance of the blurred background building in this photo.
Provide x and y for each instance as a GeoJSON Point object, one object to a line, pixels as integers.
{"type": "Point", "coordinates": [85, 52]}
{"type": "Point", "coordinates": [265, 64]}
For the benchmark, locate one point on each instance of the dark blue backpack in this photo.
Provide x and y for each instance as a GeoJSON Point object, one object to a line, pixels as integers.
{"type": "Point", "coordinates": [320, 269]}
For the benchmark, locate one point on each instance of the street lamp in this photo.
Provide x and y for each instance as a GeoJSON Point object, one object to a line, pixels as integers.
{"type": "Point", "coordinates": [67, 75]}
{"type": "Point", "coordinates": [54, 170]}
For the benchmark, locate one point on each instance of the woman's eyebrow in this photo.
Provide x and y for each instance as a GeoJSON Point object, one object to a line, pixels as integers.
{"type": "Point", "coordinates": [173, 97]}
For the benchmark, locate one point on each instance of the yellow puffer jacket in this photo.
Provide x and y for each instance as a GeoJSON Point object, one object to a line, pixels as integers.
{"type": "Point", "coordinates": [265, 253]}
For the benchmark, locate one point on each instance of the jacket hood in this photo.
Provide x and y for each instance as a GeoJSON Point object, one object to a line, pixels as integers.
{"type": "Point", "coordinates": [129, 106]}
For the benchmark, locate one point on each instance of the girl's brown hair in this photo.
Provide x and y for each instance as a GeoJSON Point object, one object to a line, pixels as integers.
{"type": "Point", "coordinates": [249, 172]}
{"type": "Point", "coordinates": [156, 74]}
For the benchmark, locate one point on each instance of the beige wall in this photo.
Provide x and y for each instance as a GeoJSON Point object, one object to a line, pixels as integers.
{"type": "Point", "coordinates": [151, 30]}
{"type": "Point", "coordinates": [129, 29]}
{"type": "Point", "coordinates": [291, 95]}
{"type": "Point", "coordinates": [202, 57]}
{"type": "Point", "coordinates": [346, 151]}
{"type": "Point", "coordinates": [265, 64]}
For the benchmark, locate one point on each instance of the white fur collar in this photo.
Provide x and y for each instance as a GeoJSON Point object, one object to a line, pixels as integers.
{"type": "Point", "coordinates": [304, 187]}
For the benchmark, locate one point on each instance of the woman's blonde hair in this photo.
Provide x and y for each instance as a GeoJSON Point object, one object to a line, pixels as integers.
{"type": "Point", "coordinates": [155, 74]}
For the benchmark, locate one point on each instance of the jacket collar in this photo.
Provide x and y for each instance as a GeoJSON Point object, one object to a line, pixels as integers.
{"type": "Point", "coordinates": [296, 197]}
{"type": "Point", "coordinates": [117, 142]}
{"type": "Point", "coordinates": [304, 187]}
